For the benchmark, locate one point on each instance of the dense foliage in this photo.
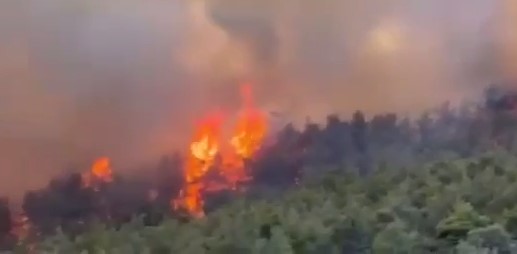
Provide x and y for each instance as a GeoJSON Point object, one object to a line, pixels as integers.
{"type": "Point", "coordinates": [460, 206]}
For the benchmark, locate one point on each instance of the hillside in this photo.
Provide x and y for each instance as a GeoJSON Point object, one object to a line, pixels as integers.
{"type": "Point", "coordinates": [464, 205]}
{"type": "Point", "coordinates": [436, 183]}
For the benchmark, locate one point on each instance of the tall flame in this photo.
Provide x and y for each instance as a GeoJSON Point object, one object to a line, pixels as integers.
{"type": "Point", "coordinates": [203, 150]}
{"type": "Point", "coordinates": [251, 127]}
{"type": "Point", "coordinates": [248, 135]}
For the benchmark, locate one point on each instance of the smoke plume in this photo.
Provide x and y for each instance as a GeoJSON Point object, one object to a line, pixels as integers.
{"type": "Point", "coordinates": [127, 78]}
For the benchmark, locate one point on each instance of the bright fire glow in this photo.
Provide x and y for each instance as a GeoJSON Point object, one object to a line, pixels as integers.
{"type": "Point", "coordinates": [99, 172]}
{"type": "Point", "coordinates": [247, 138]}
{"type": "Point", "coordinates": [203, 150]}
{"type": "Point", "coordinates": [251, 127]}
{"type": "Point", "coordinates": [101, 169]}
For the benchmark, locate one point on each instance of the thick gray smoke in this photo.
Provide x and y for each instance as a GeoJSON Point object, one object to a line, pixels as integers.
{"type": "Point", "coordinates": [126, 78]}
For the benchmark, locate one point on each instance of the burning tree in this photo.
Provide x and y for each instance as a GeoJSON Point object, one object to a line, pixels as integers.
{"type": "Point", "coordinates": [218, 165]}
{"type": "Point", "coordinates": [208, 154]}
{"type": "Point", "coordinates": [99, 173]}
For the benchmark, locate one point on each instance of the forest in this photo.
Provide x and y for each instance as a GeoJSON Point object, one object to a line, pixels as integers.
{"type": "Point", "coordinates": [444, 182]}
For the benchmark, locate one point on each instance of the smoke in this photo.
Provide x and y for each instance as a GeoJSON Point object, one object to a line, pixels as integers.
{"type": "Point", "coordinates": [375, 55]}
{"type": "Point", "coordinates": [127, 78]}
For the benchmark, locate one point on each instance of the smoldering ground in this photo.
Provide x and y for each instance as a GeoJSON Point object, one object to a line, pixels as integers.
{"type": "Point", "coordinates": [128, 78]}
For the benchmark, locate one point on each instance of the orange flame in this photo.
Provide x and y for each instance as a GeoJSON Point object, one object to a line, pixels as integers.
{"type": "Point", "coordinates": [248, 136]}
{"type": "Point", "coordinates": [203, 150]}
{"type": "Point", "coordinates": [99, 172]}
{"type": "Point", "coordinates": [251, 128]}
{"type": "Point", "coordinates": [101, 169]}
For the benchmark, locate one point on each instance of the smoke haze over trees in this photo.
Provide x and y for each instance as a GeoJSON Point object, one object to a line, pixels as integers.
{"type": "Point", "coordinates": [358, 145]}
{"type": "Point", "coordinates": [364, 144]}
{"type": "Point", "coordinates": [126, 79]}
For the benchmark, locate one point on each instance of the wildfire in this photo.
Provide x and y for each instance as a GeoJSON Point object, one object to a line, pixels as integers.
{"type": "Point", "coordinates": [251, 127]}
{"type": "Point", "coordinates": [204, 147]}
{"type": "Point", "coordinates": [247, 138]}
{"type": "Point", "coordinates": [202, 153]}
{"type": "Point", "coordinates": [99, 172]}
{"type": "Point", "coordinates": [101, 169]}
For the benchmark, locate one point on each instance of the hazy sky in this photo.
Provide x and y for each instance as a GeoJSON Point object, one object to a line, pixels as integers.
{"type": "Point", "coordinates": [127, 78]}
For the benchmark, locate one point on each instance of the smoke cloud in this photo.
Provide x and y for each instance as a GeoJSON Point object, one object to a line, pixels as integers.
{"type": "Point", "coordinates": [127, 78]}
